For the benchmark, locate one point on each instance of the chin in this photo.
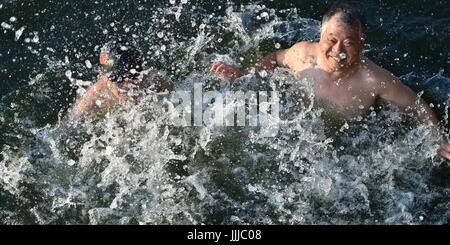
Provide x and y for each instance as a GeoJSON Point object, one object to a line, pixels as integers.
{"type": "Point", "coordinates": [339, 66]}
{"type": "Point", "coordinates": [334, 67]}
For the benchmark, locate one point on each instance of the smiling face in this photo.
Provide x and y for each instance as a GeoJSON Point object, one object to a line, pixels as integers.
{"type": "Point", "coordinates": [340, 45]}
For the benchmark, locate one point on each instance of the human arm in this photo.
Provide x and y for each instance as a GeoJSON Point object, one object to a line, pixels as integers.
{"type": "Point", "coordinates": [399, 94]}
{"type": "Point", "coordinates": [394, 91]}
{"type": "Point", "coordinates": [96, 95]}
{"type": "Point", "coordinates": [268, 62]}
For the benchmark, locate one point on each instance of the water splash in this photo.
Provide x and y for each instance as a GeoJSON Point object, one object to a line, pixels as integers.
{"type": "Point", "coordinates": [133, 167]}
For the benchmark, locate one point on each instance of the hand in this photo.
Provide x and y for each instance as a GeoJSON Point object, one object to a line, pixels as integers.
{"type": "Point", "coordinates": [226, 71]}
{"type": "Point", "coordinates": [444, 151]}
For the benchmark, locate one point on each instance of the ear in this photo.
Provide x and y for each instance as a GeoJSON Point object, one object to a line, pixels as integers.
{"type": "Point", "coordinates": [323, 26]}
{"type": "Point", "coordinates": [321, 30]}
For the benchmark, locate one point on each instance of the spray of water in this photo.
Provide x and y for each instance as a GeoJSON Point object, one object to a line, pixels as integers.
{"type": "Point", "coordinates": [132, 166]}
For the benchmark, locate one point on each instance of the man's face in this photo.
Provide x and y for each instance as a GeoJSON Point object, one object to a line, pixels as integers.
{"type": "Point", "coordinates": [340, 45]}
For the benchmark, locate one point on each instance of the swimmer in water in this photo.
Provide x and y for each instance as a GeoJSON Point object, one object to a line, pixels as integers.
{"type": "Point", "coordinates": [121, 78]}
{"type": "Point", "coordinates": [341, 76]}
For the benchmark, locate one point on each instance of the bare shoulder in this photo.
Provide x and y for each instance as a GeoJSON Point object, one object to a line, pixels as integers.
{"type": "Point", "coordinates": [101, 84]}
{"type": "Point", "coordinates": [299, 53]}
{"type": "Point", "coordinates": [303, 49]}
{"type": "Point", "coordinates": [377, 75]}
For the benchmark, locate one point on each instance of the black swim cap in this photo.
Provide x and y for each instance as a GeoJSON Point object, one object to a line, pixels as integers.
{"type": "Point", "coordinates": [123, 61]}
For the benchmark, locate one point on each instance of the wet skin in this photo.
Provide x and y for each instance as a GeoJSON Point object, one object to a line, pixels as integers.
{"type": "Point", "coordinates": [341, 77]}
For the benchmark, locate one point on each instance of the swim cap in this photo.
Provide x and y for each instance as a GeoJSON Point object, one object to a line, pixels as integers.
{"type": "Point", "coordinates": [121, 62]}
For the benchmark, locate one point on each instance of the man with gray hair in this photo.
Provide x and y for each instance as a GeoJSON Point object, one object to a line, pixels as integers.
{"type": "Point", "coordinates": [342, 78]}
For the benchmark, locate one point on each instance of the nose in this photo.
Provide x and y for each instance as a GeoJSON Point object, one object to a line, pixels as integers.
{"type": "Point", "coordinates": [337, 48]}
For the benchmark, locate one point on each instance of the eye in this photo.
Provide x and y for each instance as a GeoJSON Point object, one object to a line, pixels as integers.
{"type": "Point", "coordinates": [332, 40]}
{"type": "Point", "coordinates": [348, 43]}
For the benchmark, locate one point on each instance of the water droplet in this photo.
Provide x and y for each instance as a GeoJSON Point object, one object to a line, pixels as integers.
{"type": "Point", "coordinates": [6, 25]}
{"type": "Point", "coordinates": [19, 33]}
{"type": "Point", "coordinates": [68, 74]}
{"type": "Point", "coordinates": [342, 56]}
{"type": "Point", "coordinates": [277, 45]}
{"type": "Point", "coordinates": [71, 162]}
{"type": "Point", "coordinates": [99, 103]}
{"type": "Point", "coordinates": [263, 73]}
{"type": "Point", "coordinates": [172, 2]}
{"type": "Point", "coordinates": [264, 15]}
{"type": "Point", "coordinates": [88, 64]}
{"type": "Point", "coordinates": [12, 19]}
{"type": "Point", "coordinates": [344, 127]}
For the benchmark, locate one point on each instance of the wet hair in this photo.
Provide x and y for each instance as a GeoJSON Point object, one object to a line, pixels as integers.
{"type": "Point", "coordinates": [124, 61]}
{"type": "Point", "coordinates": [348, 15]}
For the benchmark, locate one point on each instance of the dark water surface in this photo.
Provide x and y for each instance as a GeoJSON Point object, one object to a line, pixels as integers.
{"type": "Point", "coordinates": [54, 170]}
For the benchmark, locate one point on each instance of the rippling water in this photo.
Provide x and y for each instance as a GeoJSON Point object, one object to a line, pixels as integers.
{"type": "Point", "coordinates": [133, 167]}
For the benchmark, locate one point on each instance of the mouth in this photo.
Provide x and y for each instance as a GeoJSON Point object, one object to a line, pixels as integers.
{"type": "Point", "coordinates": [339, 59]}
{"type": "Point", "coordinates": [335, 58]}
